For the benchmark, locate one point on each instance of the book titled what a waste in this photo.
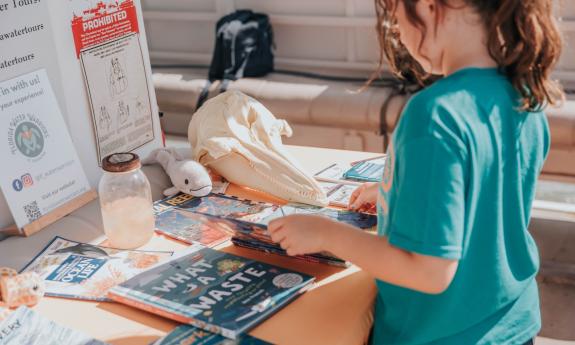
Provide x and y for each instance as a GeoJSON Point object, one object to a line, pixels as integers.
{"type": "Point", "coordinates": [219, 292]}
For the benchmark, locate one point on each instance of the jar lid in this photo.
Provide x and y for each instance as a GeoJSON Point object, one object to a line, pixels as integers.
{"type": "Point", "coordinates": [121, 162]}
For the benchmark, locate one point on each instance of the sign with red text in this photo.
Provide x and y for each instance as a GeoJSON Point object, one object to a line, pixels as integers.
{"type": "Point", "coordinates": [104, 22]}
{"type": "Point", "coordinates": [107, 42]}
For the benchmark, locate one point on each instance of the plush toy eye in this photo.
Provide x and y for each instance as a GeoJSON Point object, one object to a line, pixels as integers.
{"type": "Point", "coordinates": [186, 181]}
{"type": "Point", "coordinates": [35, 287]}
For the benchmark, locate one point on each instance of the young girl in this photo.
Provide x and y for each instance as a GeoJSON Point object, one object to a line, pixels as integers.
{"type": "Point", "coordinates": [454, 262]}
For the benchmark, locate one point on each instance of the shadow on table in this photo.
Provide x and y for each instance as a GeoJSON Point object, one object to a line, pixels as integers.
{"type": "Point", "coordinates": [134, 340]}
{"type": "Point", "coordinates": [136, 315]}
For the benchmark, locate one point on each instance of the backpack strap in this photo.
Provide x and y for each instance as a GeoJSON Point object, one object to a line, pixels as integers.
{"type": "Point", "coordinates": [203, 94]}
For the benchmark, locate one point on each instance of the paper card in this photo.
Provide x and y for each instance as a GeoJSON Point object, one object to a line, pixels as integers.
{"type": "Point", "coordinates": [119, 97]}
{"type": "Point", "coordinates": [340, 196]}
{"type": "Point", "coordinates": [41, 170]}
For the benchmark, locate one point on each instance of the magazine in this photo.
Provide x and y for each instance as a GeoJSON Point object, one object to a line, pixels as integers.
{"type": "Point", "coordinates": [190, 335]}
{"type": "Point", "coordinates": [25, 326]}
{"type": "Point", "coordinates": [78, 270]}
{"type": "Point", "coordinates": [216, 291]}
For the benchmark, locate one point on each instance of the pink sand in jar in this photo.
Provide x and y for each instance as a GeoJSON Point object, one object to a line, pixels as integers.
{"type": "Point", "coordinates": [128, 222]}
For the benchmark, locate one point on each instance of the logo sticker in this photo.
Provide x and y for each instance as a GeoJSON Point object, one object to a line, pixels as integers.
{"type": "Point", "coordinates": [287, 280]}
{"type": "Point", "coordinates": [27, 180]}
{"type": "Point", "coordinates": [27, 136]}
{"type": "Point", "coordinates": [17, 185]}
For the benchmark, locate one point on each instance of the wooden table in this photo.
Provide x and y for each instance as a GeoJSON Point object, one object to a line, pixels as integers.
{"type": "Point", "coordinates": [336, 311]}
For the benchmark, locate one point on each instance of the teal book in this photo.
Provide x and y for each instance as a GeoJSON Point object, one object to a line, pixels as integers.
{"type": "Point", "coordinates": [365, 172]}
{"type": "Point", "coordinates": [212, 290]}
{"type": "Point", "coordinates": [190, 335]}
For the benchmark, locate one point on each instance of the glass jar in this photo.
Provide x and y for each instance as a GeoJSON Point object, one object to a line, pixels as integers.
{"type": "Point", "coordinates": [126, 202]}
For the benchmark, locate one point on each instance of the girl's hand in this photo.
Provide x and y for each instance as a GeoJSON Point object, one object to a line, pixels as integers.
{"type": "Point", "coordinates": [364, 198]}
{"type": "Point", "coordinates": [301, 234]}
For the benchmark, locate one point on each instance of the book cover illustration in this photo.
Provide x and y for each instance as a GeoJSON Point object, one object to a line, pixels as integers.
{"type": "Point", "coordinates": [367, 171]}
{"type": "Point", "coordinates": [216, 291]}
{"type": "Point", "coordinates": [184, 226]}
{"type": "Point", "coordinates": [25, 326]}
{"type": "Point", "coordinates": [175, 218]}
{"type": "Point", "coordinates": [218, 205]}
{"type": "Point", "coordinates": [78, 270]}
{"type": "Point", "coordinates": [190, 335]}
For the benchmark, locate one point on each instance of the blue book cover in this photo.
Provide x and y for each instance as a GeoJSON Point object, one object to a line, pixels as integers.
{"type": "Point", "coordinates": [78, 270]}
{"type": "Point", "coordinates": [216, 291]}
{"type": "Point", "coordinates": [190, 335]}
{"type": "Point", "coordinates": [365, 171]}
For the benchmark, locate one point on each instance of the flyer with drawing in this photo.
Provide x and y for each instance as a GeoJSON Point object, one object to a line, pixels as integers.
{"type": "Point", "coordinates": [43, 171]}
{"type": "Point", "coordinates": [107, 43]}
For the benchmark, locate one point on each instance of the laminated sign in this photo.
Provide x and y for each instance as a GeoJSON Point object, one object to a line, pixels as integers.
{"type": "Point", "coordinates": [107, 42]}
{"type": "Point", "coordinates": [41, 178]}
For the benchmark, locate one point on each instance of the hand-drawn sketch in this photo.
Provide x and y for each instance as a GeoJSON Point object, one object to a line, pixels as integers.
{"type": "Point", "coordinates": [141, 109]}
{"type": "Point", "coordinates": [123, 112]}
{"type": "Point", "coordinates": [118, 81]}
{"type": "Point", "coordinates": [119, 95]}
{"type": "Point", "coordinates": [105, 120]}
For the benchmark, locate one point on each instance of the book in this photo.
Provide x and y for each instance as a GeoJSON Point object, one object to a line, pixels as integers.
{"type": "Point", "coordinates": [183, 225]}
{"type": "Point", "coordinates": [365, 172]}
{"type": "Point", "coordinates": [246, 221]}
{"type": "Point", "coordinates": [174, 216]}
{"type": "Point", "coordinates": [78, 270]}
{"type": "Point", "coordinates": [212, 290]}
{"type": "Point", "coordinates": [25, 326]}
{"type": "Point", "coordinates": [317, 258]}
{"type": "Point", "coordinates": [335, 174]}
{"type": "Point", "coordinates": [190, 335]}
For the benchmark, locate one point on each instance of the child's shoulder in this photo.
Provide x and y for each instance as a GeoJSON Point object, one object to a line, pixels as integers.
{"type": "Point", "coordinates": [457, 97]}
{"type": "Point", "coordinates": [448, 106]}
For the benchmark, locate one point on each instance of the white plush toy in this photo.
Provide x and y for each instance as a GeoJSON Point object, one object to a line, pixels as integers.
{"type": "Point", "coordinates": [187, 175]}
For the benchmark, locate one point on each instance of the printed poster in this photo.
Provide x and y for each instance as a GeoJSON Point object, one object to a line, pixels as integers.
{"type": "Point", "coordinates": [107, 43]}
{"type": "Point", "coordinates": [42, 170]}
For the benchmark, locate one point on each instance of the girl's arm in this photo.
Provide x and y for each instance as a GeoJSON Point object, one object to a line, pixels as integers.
{"type": "Point", "coordinates": [301, 234]}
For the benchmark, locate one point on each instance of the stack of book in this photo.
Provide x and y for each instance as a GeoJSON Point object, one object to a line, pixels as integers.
{"type": "Point", "coordinates": [246, 222]}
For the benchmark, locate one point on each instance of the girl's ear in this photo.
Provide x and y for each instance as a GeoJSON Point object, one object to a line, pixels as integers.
{"type": "Point", "coordinates": [429, 6]}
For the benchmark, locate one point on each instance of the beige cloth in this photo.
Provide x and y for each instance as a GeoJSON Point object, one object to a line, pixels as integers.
{"type": "Point", "coordinates": [241, 140]}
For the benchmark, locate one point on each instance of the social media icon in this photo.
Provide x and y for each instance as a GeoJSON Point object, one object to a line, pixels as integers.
{"type": "Point", "coordinates": [27, 180]}
{"type": "Point", "coordinates": [17, 185]}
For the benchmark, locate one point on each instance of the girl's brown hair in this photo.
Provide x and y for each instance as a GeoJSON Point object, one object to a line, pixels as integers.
{"type": "Point", "coordinates": [522, 38]}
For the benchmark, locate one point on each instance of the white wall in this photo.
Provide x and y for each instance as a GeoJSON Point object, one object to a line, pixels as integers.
{"type": "Point", "coordinates": [334, 34]}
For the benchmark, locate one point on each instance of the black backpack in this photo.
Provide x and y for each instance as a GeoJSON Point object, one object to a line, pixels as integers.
{"type": "Point", "coordinates": [243, 48]}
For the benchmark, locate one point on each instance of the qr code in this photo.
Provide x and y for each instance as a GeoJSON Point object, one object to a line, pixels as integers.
{"type": "Point", "coordinates": [32, 211]}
